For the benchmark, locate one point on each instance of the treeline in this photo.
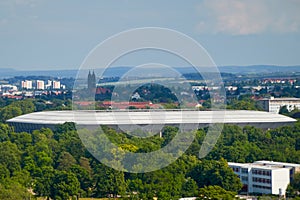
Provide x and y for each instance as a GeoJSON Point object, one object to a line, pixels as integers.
{"type": "Point", "coordinates": [55, 164]}
{"type": "Point", "coordinates": [14, 108]}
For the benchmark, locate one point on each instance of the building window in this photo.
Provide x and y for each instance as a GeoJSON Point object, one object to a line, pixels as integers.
{"type": "Point", "coordinates": [261, 180]}
{"type": "Point", "coordinates": [262, 187]}
{"type": "Point", "coordinates": [261, 172]}
{"type": "Point", "coordinates": [235, 169]}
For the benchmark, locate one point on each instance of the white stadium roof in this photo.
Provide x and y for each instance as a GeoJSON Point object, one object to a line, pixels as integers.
{"type": "Point", "coordinates": [149, 117]}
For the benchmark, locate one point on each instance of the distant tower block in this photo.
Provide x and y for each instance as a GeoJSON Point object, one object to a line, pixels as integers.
{"type": "Point", "coordinates": [91, 81]}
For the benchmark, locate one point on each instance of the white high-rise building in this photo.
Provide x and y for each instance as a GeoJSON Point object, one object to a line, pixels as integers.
{"type": "Point", "coordinates": [48, 85]}
{"type": "Point", "coordinates": [40, 85]}
{"type": "Point", "coordinates": [56, 85]}
{"type": "Point", "coordinates": [26, 84]}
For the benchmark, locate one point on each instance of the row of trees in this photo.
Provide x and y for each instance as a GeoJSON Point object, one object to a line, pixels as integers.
{"type": "Point", "coordinates": [13, 108]}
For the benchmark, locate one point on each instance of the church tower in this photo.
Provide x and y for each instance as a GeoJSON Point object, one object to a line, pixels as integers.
{"type": "Point", "coordinates": [91, 81]}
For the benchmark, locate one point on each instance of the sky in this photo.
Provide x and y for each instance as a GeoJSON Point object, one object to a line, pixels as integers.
{"type": "Point", "coordinates": [58, 34]}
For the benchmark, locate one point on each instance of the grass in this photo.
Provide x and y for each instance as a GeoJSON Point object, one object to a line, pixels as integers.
{"type": "Point", "coordinates": [41, 198]}
{"type": "Point", "coordinates": [93, 198]}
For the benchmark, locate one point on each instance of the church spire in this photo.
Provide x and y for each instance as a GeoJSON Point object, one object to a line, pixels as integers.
{"type": "Point", "coordinates": [91, 80]}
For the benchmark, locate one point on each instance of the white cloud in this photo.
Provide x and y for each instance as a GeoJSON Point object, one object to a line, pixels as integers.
{"type": "Point", "coordinates": [243, 17]}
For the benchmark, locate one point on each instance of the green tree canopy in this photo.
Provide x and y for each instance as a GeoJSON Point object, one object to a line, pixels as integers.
{"type": "Point", "coordinates": [215, 192]}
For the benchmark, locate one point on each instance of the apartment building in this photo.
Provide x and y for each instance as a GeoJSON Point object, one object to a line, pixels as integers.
{"type": "Point", "coordinates": [40, 85]}
{"type": "Point", "coordinates": [26, 84]}
{"type": "Point", "coordinates": [56, 85]}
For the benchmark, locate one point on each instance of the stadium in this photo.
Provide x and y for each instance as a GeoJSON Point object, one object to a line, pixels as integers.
{"type": "Point", "coordinates": [152, 120]}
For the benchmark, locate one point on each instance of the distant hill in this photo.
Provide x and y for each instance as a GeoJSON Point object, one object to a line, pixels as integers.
{"type": "Point", "coordinates": [259, 69]}
{"type": "Point", "coordinates": [4, 73]}
{"type": "Point", "coordinates": [8, 72]}
{"type": "Point", "coordinates": [119, 71]}
{"type": "Point", "coordinates": [247, 69]}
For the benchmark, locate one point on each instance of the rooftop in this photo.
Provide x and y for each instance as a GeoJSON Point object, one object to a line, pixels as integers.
{"type": "Point", "coordinates": [266, 162]}
{"type": "Point", "coordinates": [260, 166]}
{"type": "Point", "coordinates": [282, 99]}
{"type": "Point", "coordinates": [86, 117]}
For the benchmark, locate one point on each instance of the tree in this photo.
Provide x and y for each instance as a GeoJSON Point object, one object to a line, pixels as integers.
{"type": "Point", "coordinates": [84, 179]}
{"type": "Point", "coordinates": [26, 106]}
{"type": "Point", "coordinates": [5, 130]}
{"type": "Point", "coordinates": [65, 161]}
{"type": "Point", "coordinates": [294, 186]}
{"type": "Point", "coordinates": [109, 182]}
{"type": "Point", "coordinates": [65, 185]}
{"type": "Point", "coordinates": [85, 163]}
{"type": "Point", "coordinates": [42, 159]}
{"type": "Point", "coordinates": [64, 128]}
{"type": "Point", "coordinates": [246, 104]}
{"type": "Point", "coordinates": [9, 112]}
{"type": "Point", "coordinates": [22, 140]}
{"type": "Point", "coordinates": [135, 187]}
{"type": "Point", "coordinates": [44, 182]}
{"type": "Point", "coordinates": [12, 190]}
{"type": "Point", "coordinates": [10, 156]}
{"type": "Point", "coordinates": [4, 173]}
{"type": "Point", "coordinates": [189, 188]}
{"type": "Point", "coordinates": [215, 192]}
{"type": "Point", "coordinates": [211, 172]}
{"type": "Point", "coordinates": [283, 110]}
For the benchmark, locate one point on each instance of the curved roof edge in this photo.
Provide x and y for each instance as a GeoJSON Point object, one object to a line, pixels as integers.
{"type": "Point", "coordinates": [90, 117]}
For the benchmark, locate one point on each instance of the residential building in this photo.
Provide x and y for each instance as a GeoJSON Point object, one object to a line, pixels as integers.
{"type": "Point", "coordinates": [48, 85]}
{"type": "Point", "coordinates": [273, 105]}
{"type": "Point", "coordinates": [265, 177]}
{"type": "Point", "coordinates": [26, 84]}
{"type": "Point", "coordinates": [40, 85]}
{"type": "Point", "coordinates": [8, 88]}
{"type": "Point", "coordinates": [56, 85]}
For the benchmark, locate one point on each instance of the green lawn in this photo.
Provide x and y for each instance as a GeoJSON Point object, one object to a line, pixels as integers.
{"type": "Point", "coordinates": [41, 198]}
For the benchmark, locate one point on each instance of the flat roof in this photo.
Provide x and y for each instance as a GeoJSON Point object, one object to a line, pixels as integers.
{"type": "Point", "coordinates": [87, 117]}
{"type": "Point", "coordinates": [256, 166]}
{"type": "Point", "coordinates": [282, 99]}
{"type": "Point", "coordinates": [267, 162]}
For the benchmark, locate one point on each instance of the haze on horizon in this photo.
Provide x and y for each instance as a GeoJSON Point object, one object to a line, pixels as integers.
{"type": "Point", "coordinates": [44, 34]}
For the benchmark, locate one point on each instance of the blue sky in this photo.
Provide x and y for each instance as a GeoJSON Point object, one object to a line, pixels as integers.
{"type": "Point", "coordinates": [52, 34]}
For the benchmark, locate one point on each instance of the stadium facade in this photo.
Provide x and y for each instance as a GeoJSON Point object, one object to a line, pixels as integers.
{"type": "Point", "coordinates": [152, 119]}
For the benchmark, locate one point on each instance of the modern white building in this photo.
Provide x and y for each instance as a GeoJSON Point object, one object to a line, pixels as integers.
{"type": "Point", "coordinates": [265, 177]}
{"type": "Point", "coordinates": [56, 85]}
{"type": "Point", "coordinates": [40, 85]}
{"type": "Point", "coordinates": [294, 168]}
{"type": "Point", "coordinates": [6, 88]}
{"type": "Point", "coordinates": [26, 84]}
{"type": "Point", "coordinates": [49, 84]}
{"type": "Point", "coordinates": [273, 105]}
